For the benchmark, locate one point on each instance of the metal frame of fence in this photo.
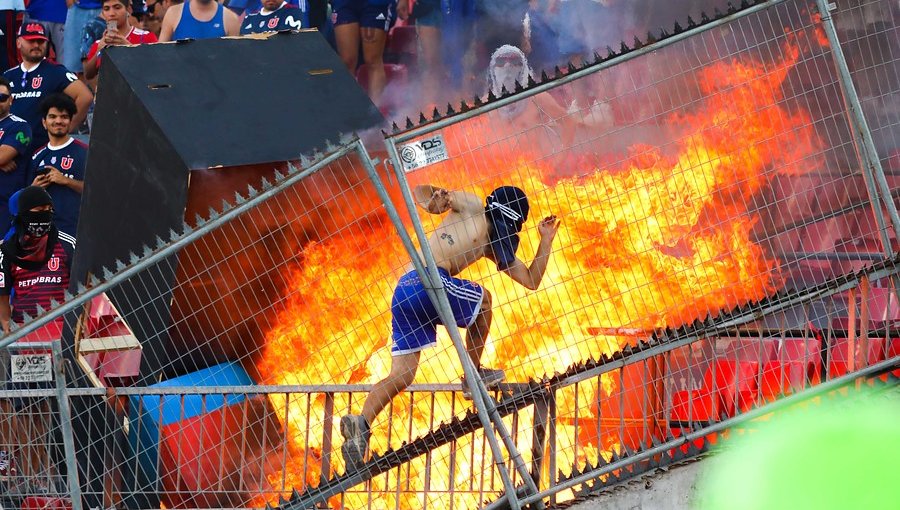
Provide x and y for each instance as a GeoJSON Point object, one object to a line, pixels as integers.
{"type": "Point", "coordinates": [521, 423]}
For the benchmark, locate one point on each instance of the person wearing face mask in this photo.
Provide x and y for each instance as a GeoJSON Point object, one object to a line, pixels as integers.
{"type": "Point", "coordinates": [35, 258]}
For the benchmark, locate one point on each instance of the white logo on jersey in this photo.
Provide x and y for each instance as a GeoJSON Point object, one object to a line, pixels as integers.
{"type": "Point", "coordinates": [380, 17]}
{"type": "Point", "coordinates": [297, 24]}
{"type": "Point", "coordinates": [247, 27]}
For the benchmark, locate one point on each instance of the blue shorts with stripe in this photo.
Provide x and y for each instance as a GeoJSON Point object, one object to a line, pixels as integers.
{"type": "Point", "coordinates": [414, 318]}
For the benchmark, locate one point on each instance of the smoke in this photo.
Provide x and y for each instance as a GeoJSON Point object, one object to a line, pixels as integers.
{"type": "Point", "coordinates": [551, 33]}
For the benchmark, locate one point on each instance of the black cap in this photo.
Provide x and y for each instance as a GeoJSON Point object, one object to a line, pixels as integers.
{"type": "Point", "coordinates": [28, 198]}
{"type": "Point", "coordinates": [506, 208]}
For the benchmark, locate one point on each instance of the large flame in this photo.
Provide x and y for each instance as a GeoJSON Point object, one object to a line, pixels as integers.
{"type": "Point", "coordinates": [660, 239]}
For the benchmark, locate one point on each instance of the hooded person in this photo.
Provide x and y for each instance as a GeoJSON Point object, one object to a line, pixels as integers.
{"type": "Point", "coordinates": [471, 230]}
{"type": "Point", "coordinates": [508, 67]}
{"type": "Point", "coordinates": [34, 258]}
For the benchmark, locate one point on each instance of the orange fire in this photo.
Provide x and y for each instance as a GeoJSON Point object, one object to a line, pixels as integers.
{"type": "Point", "coordinates": [661, 239]}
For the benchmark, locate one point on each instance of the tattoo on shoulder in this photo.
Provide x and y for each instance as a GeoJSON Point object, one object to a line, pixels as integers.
{"type": "Point", "coordinates": [448, 237]}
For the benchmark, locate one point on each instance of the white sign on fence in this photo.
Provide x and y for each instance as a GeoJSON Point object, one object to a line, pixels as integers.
{"type": "Point", "coordinates": [31, 367]}
{"type": "Point", "coordinates": [422, 153]}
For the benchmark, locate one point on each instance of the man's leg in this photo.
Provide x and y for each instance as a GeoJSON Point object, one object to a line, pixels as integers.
{"type": "Point", "coordinates": [477, 333]}
{"type": "Point", "coordinates": [355, 428]}
{"type": "Point", "coordinates": [403, 371]}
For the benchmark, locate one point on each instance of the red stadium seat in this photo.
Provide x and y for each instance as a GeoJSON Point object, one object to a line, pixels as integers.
{"type": "Point", "coordinates": [46, 503]}
{"type": "Point", "coordinates": [797, 364]}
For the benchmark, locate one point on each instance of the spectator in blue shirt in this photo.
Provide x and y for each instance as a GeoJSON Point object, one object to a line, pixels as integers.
{"type": "Point", "coordinates": [59, 166]}
{"type": "Point", "coordinates": [52, 14]}
{"type": "Point", "coordinates": [80, 13]}
{"type": "Point", "coordinates": [15, 138]}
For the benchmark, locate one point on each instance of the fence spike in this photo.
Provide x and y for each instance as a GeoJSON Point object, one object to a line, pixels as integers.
{"type": "Point", "coordinates": [68, 296]}
{"type": "Point", "coordinates": [463, 106]}
{"type": "Point", "coordinates": [597, 58]}
{"type": "Point", "coordinates": [650, 37]}
{"type": "Point", "coordinates": [678, 28]}
{"type": "Point", "coordinates": [717, 14]}
{"type": "Point", "coordinates": [394, 127]}
{"type": "Point", "coordinates": [159, 242]}
{"type": "Point", "coordinates": [663, 33]}
{"type": "Point", "coordinates": [571, 67]}
{"type": "Point", "coordinates": [623, 48]}
{"type": "Point", "coordinates": [637, 43]}
{"type": "Point", "coordinates": [745, 4]}
{"type": "Point", "coordinates": [133, 258]}
{"type": "Point", "coordinates": [40, 310]}
{"type": "Point", "coordinates": [409, 123]}
{"type": "Point", "coordinates": [80, 288]}
{"type": "Point", "coordinates": [422, 119]}
{"type": "Point", "coordinates": [329, 146]}
{"type": "Point", "coordinates": [238, 198]}
{"type": "Point", "coordinates": [518, 87]}
{"type": "Point", "coordinates": [435, 115]}
{"type": "Point", "coordinates": [199, 220]}
{"type": "Point", "coordinates": [120, 265]}
{"type": "Point", "coordinates": [704, 18]}
{"type": "Point", "coordinates": [106, 273]}
{"type": "Point", "coordinates": [731, 8]}
{"type": "Point", "coordinates": [557, 72]}
{"type": "Point", "coordinates": [147, 251]}
{"type": "Point", "coordinates": [450, 110]}
{"type": "Point", "coordinates": [491, 97]}
{"type": "Point", "coordinates": [544, 76]}
{"type": "Point", "coordinates": [264, 184]}
{"type": "Point", "coordinates": [531, 82]}
{"type": "Point", "coordinates": [610, 53]}
{"type": "Point", "coordinates": [503, 91]}
{"type": "Point", "coordinates": [690, 22]}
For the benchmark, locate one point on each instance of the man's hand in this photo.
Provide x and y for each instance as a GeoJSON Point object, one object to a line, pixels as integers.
{"type": "Point", "coordinates": [54, 176]}
{"type": "Point", "coordinates": [9, 166]}
{"type": "Point", "coordinates": [548, 227]}
{"type": "Point", "coordinates": [440, 201]}
{"type": "Point", "coordinates": [113, 38]}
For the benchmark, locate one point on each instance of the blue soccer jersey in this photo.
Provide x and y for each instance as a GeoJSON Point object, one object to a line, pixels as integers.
{"type": "Point", "coordinates": [286, 17]}
{"type": "Point", "coordinates": [29, 88]}
{"type": "Point", "coordinates": [16, 133]}
{"type": "Point", "coordinates": [70, 159]}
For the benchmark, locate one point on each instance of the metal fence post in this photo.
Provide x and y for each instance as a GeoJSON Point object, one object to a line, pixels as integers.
{"type": "Point", "coordinates": [65, 424]}
{"type": "Point", "coordinates": [858, 124]}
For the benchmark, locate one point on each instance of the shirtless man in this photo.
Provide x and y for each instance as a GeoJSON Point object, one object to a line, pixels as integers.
{"type": "Point", "coordinates": [471, 231]}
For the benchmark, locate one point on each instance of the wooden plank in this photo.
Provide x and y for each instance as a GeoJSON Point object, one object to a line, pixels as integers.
{"type": "Point", "coordinates": [109, 343]}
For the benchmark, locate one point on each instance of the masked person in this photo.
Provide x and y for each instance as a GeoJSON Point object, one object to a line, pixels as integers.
{"type": "Point", "coordinates": [35, 258]}
{"type": "Point", "coordinates": [470, 231]}
{"type": "Point", "coordinates": [548, 126]}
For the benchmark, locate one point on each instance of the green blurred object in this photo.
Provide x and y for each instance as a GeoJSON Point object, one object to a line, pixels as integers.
{"type": "Point", "coordinates": [836, 454]}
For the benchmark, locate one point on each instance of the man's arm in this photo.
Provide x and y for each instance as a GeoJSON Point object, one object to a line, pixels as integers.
{"type": "Point", "coordinates": [438, 200]}
{"type": "Point", "coordinates": [530, 276]}
{"type": "Point", "coordinates": [169, 22]}
{"type": "Point", "coordinates": [81, 94]}
{"type": "Point", "coordinates": [91, 63]}
{"type": "Point", "coordinates": [5, 313]}
{"type": "Point", "coordinates": [8, 158]}
{"type": "Point", "coordinates": [232, 22]}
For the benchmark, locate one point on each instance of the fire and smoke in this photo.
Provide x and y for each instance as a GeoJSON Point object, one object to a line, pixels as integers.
{"type": "Point", "coordinates": [659, 239]}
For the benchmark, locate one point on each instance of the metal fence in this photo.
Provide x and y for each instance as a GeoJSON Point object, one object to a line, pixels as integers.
{"type": "Point", "coordinates": [719, 196]}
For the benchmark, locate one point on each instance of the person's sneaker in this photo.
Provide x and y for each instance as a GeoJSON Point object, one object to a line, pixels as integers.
{"type": "Point", "coordinates": [356, 441]}
{"type": "Point", "coordinates": [492, 378]}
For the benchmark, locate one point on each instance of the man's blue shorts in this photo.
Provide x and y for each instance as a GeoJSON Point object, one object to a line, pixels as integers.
{"type": "Point", "coordinates": [368, 13]}
{"type": "Point", "coordinates": [414, 318]}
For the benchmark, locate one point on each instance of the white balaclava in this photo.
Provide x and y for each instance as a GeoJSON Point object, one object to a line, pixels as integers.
{"type": "Point", "coordinates": [507, 74]}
